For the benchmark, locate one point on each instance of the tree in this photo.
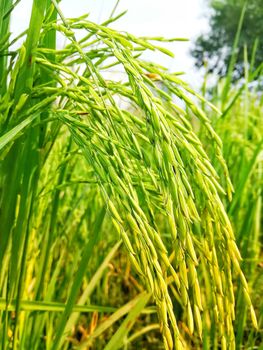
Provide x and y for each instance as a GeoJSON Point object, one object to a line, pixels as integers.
{"type": "Point", "coordinates": [215, 48]}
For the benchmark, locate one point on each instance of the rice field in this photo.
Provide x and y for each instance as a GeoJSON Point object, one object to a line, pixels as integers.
{"type": "Point", "coordinates": [130, 209]}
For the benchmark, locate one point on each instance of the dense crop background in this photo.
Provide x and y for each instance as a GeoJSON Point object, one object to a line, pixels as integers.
{"type": "Point", "coordinates": [126, 205]}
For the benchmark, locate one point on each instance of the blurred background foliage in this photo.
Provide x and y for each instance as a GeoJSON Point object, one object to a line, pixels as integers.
{"type": "Point", "coordinates": [215, 47]}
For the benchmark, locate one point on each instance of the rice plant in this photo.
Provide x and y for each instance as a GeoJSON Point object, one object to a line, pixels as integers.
{"type": "Point", "coordinates": [240, 128]}
{"type": "Point", "coordinates": [103, 172]}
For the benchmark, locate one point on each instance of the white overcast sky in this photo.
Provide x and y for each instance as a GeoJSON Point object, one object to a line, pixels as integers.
{"type": "Point", "coordinates": [167, 18]}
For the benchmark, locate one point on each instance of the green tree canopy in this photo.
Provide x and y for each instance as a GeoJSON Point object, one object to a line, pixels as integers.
{"type": "Point", "coordinates": [216, 47]}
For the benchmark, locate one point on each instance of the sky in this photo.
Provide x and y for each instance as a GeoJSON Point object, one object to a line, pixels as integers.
{"type": "Point", "coordinates": [167, 18]}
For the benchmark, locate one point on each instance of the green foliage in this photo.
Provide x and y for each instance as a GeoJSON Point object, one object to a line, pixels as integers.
{"type": "Point", "coordinates": [99, 174]}
{"type": "Point", "coordinates": [215, 48]}
{"type": "Point", "coordinates": [241, 129]}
